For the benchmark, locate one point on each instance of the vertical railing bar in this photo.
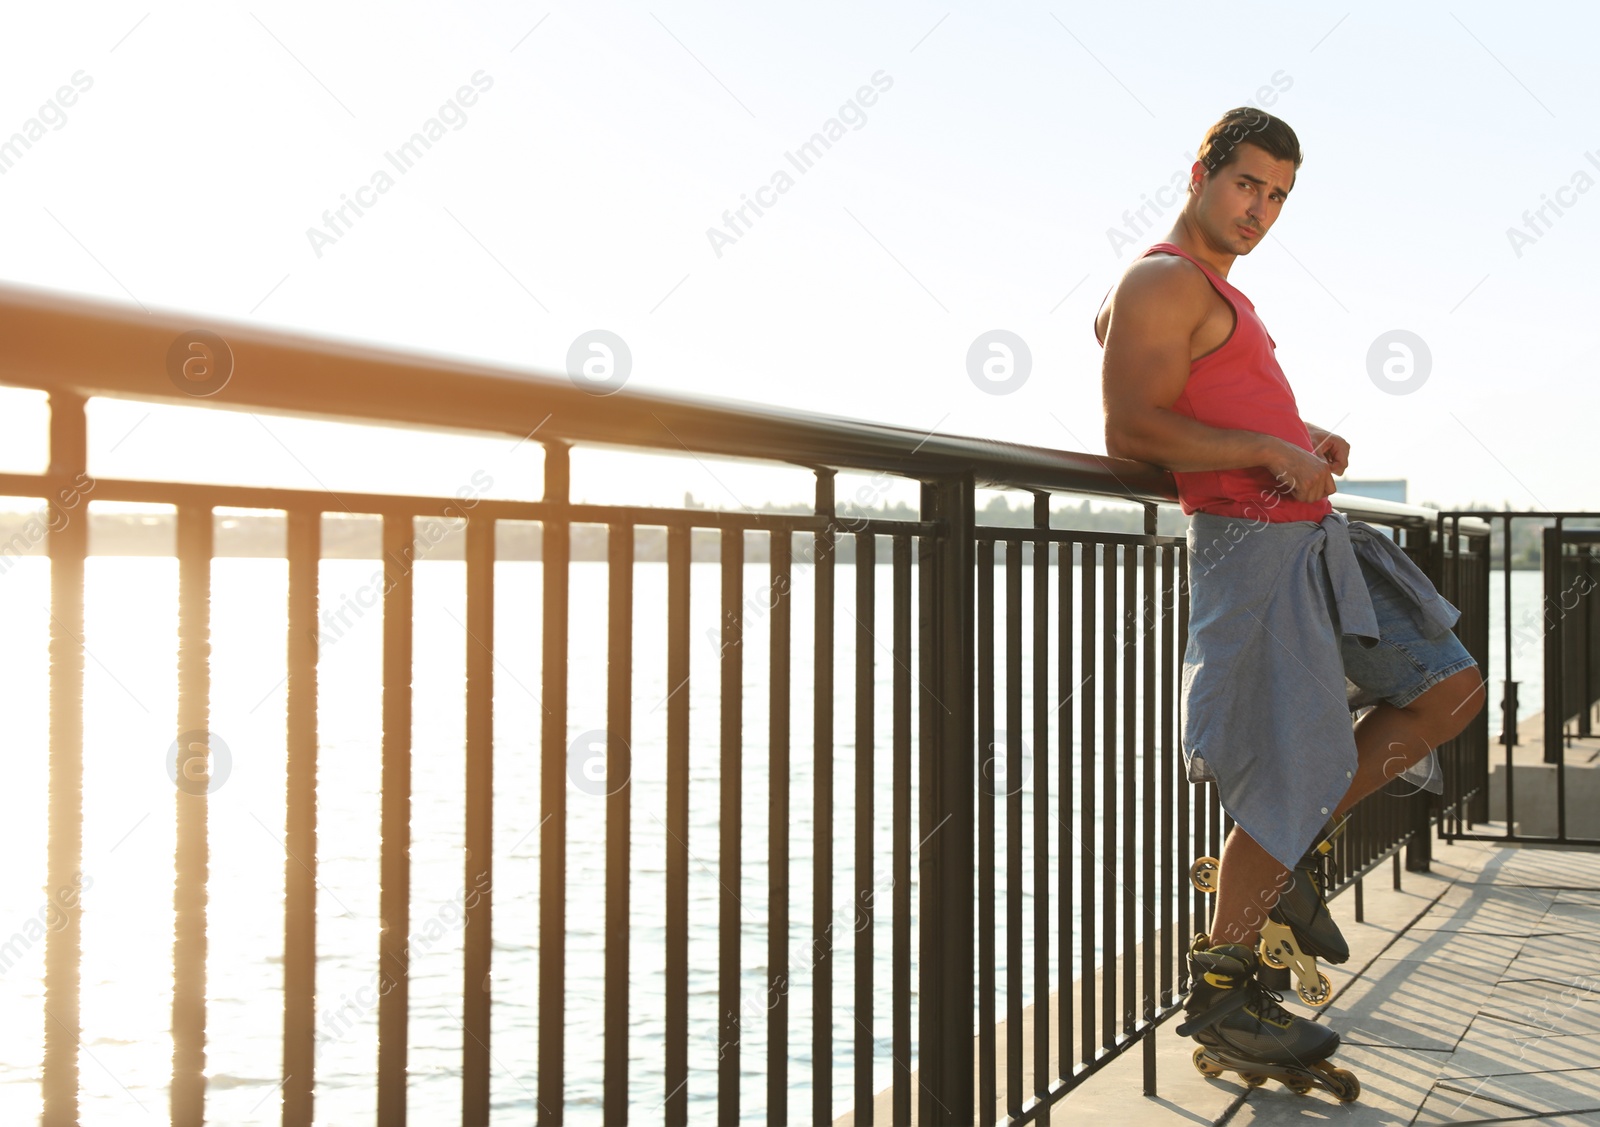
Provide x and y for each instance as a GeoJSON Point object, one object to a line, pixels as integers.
{"type": "Point", "coordinates": [1481, 759]}
{"type": "Point", "coordinates": [1130, 784]}
{"type": "Point", "coordinates": [1554, 712]}
{"type": "Point", "coordinates": [1088, 796]}
{"type": "Point", "coordinates": [1507, 729]}
{"type": "Point", "coordinates": [1461, 764]}
{"type": "Point", "coordinates": [927, 742]}
{"type": "Point", "coordinates": [1485, 581]}
{"type": "Point", "coordinates": [394, 894]}
{"type": "Point", "coordinates": [1209, 816]}
{"type": "Point", "coordinates": [1014, 1089]}
{"type": "Point", "coordinates": [901, 956]}
{"type": "Point", "coordinates": [947, 1094]}
{"type": "Point", "coordinates": [1452, 806]}
{"type": "Point", "coordinates": [730, 861]}
{"type": "Point", "coordinates": [1453, 802]}
{"type": "Point", "coordinates": [1559, 630]}
{"type": "Point", "coordinates": [1041, 807]}
{"type": "Point", "coordinates": [1451, 759]}
{"type": "Point", "coordinates": [865, 699]}
{"type": "Point", "coordinates": [677, 843]}
{"type": "Point", "coordinates": [1453, 564]}
{"type": "Point", "coordinates": [1219, 821]}
{"type": "Point", "coordinates": [1066, 835]}
{"type": "Point", "coordinates": [822, 941]}
{"type": "Point", "coordinates": [555, 551]}
{"type": "Point", "coordinates": [1187, 833]}
{"type": "Point", "coordinates": [478, 877]}
{"type": "Point", "coordinates": [1450, 570]}
{"type": "Point", "coordinates": [68, 544]}
{"type": "Point", "coordinates": [1148, 811]}
{"type": "Point", "coordinates": [1108, 798]}
{"type": "Point", "coordinates": [619, 817]}
{"type": "Point", "coordinates": [1171, 862]}
{"type": "Point", "coordinates": [1585, 566]}
{"type": "Point", "coordinates": [986, 849]}
{"type": "Point", "coordinates": [300, 823]}
{"type": "Point", "coordinates": [781, 555]}
{"type": "Point", "coordinates": [188, 1093]}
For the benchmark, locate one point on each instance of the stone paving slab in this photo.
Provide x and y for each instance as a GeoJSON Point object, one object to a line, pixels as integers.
{"type": "Point", "coordinates": [1407, 1004]}
{"type": "Point", "coordinates": [1531, 867]}
{"type": "Point", "coordinates": [1545, 1004]}
{"type": "Point", "coordinates": [1556, 957]}
{"type": "Point", "coordinates": [1496, 1047]}
{"type": "Point", "coordinates": [1478, 910]}
{"type": "Point", "coordinates": [1540, 1095]}
{"type": "Point", "coordinates": [1470, 954]}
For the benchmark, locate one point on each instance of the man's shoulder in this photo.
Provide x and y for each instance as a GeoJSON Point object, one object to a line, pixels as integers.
{"type": "Point", "coordinates": [1164, 281]}
{"type": "Point", "coordinates": [1162, 268]}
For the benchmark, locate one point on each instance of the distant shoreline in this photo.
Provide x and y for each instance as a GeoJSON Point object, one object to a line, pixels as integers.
{"type": "Point", "coordinates": [264, 536]}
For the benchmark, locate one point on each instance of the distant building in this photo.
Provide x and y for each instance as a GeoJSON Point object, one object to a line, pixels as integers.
{"type": "Point", "coordinates": [1393, 489]}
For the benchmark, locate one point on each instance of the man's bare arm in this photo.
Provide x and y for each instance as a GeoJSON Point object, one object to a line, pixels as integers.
{"type": "Point", "coordinates": [1157, 308]}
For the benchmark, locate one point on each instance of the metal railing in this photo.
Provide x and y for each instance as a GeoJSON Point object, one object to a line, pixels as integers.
{"type": "Point", "coordinates": [1566, 628]}
{"type": "Point", "coordinates": [1086, 920]}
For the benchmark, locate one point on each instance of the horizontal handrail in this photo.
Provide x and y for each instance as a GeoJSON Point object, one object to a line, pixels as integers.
{"type": "Point", "coordinates": [58, 341]}
{"type": "Point", "coordinates": [65, 342]}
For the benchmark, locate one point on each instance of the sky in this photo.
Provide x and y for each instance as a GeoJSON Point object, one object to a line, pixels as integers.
{"type": "Point", "coordinates": [986, 176]}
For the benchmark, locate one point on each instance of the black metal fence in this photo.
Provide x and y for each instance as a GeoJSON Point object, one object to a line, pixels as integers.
{"type": "Point", "coordinates": [1555, 630]}
{"type": "Point", "coordinates": [1107, 966]}
{"type": "Point", "coordinates": [1039, 830]}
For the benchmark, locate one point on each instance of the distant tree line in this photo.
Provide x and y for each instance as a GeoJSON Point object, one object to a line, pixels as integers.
{"type": "Point", "coordinates": [359, 537]}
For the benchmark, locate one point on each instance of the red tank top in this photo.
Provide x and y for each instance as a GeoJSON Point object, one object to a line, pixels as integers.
{"type": "Point", "coordinates": [1240, 386]}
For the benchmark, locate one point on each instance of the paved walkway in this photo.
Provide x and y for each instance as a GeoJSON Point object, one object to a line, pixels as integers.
{"type": "Point", "coordinates": [1471, 996]}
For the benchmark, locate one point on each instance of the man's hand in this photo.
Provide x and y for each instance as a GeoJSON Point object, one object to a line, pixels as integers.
{"type": "Point", "coordinates": [1331, 447]}
{"type": "Point", "coordinates": [1303, 475]}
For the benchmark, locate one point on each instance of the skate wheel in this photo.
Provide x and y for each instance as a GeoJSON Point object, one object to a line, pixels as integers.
{"type": "Point", "coordinates": [1270, 956]}
{"type": "Point", "coordinates": [1205, 1065]}
{"type": "Point", "coordinates": [1300, 1087]}
{"type": "Point", "coordinates": [1203, 874]}
{"type": "Point", "coordinates": [1253, 1079]}
{"type": "Point", "coordinates": [1319, 994]}
{"type": "Point", "coordinates": [1341, 1082]}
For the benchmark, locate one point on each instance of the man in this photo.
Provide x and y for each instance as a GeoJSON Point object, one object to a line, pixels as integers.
{"type": "Point", "coordinates": [1288, 597]}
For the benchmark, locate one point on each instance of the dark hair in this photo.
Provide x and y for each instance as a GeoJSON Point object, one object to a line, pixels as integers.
{"type": "Point", "coordinates": [1247, 125]}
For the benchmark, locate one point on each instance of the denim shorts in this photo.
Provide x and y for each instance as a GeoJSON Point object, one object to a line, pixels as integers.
{"type": "Point", "coordinates": [1404, 664]}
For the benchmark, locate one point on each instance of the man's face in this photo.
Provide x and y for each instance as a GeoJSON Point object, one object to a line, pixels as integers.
{"type": "Point", "coordinates": [1239, 203]}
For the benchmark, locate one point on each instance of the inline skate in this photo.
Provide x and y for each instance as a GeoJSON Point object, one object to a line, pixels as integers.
{"type": "Point", "coordinates": [1240, 1027]}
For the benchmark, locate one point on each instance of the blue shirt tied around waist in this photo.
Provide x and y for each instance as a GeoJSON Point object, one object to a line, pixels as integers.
{"type": "Point", "coordinates": [1265, 711]}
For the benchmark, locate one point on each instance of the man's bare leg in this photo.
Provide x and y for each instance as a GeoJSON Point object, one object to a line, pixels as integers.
{"type": "Point", "coordinates": [1388, 740]}
{"type": "Point", "coordinates": [1248, 882]}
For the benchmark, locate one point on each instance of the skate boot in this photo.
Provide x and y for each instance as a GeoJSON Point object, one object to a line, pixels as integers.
{"type": "Point", "coordinates": [1240, 1027]}
{"type": "Point", "coordinates": [1300, 930]}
